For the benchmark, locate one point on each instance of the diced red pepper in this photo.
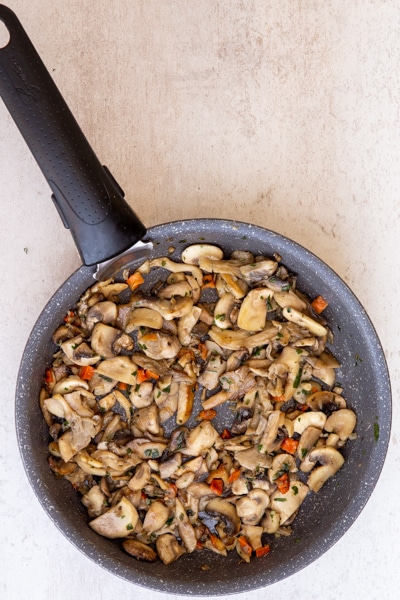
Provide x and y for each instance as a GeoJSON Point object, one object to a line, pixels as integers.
{"type": "Point", "coordinates": [289, 445]}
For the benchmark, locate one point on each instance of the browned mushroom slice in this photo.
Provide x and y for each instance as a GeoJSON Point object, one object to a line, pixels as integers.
{"type": "Point", "coordinates": [330, 461]}
{"type": "Point", "coordinates": [157, 344]}
{"type": "Point", "coordinates": [101, 312]}
{"type": "Point", "coordinates": [118, 521]}
{"type": "Point", "coordinates": [200, 438]}
{"type": "Point", "coordinates": [287, 504]}
{"type": "Point", "coordinates": [251, 508]}
{"type": "Point", "coordinates": [79, 352]}
{"type": "Point", "coordinates": [107, 341]}
{"type": "Point", "coordinates": [342, 422]}
{"type": "Point", "coordinates": [226, 512]}
{"type": "Point", "coordinates": [139, 550]}
{"type": "Point", "coordinates": [168, 548]}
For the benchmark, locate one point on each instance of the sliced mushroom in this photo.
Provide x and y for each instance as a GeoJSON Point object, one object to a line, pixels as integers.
{"type": "Point", "coordinates": [68, 384]}
{"type": "Point", "coordinates": [309, 419]}
{"type": "Point", "coordinates": [118, 521]}
{"type": "Point", "coordinates": [210, 375]}
{"type": "Point", "coordinates": [78, 351]}
{"type": "Point", "coordinates": [185, 528]}
{"type": "Point", "coordinates": [143, 317]}
{"type": "Point", "coordinates": [271, 521]}
{"type": "Point", "coordinates": [282, 463]}
{"type": "Point", "coordinates": [342, 422]}
{"type": "Point", "coordinates": [259, 270]}
{"type": "Point", "coordinates": [94, 501]}
{"type": "Point", "coordinates": [287, 504]}
{"type": "Point", "coordinates": [330, 461]}
{"type": "Point", "coordinates": [252, 459]}
{"type": "Point", "coordinates": [178, 288]}
{"type": "Point", "coordinates": [289, 299]}
{"type": "Point", "coordinates": [108, 341]}
{"type": "Point", "coordinates": [140, 478]}
{"type": "Point", "coordinates": [251, 508]}
{"type": "Point", "coordinates": [174, 267]}
{"type": "Point", "coordinates": [185, 403]}
{"type": "Point", "coordinates": [139, 550]}
{"type": "Point", "coordinates": [168, 548]}
{"type": "Point", "coordinates": [120, 368]}
{"type": "Point", "coordinates": [157, 344]}
{"type": "Point", "coordinates": [169, 310]}
{"type": "Point", "coordinates": [101, 312]}
{"type": "Point", "coordinates": [326, 401]}
{"type": "Point", "coordinates": [226, 512]}
{"type": "Point", "coordinates": [295, 316]}
{"type": "Point", "coordinates": [232, 339]}
{"type": "Point", "coordinates": [156, 517]}
{"type": "Point", "coordinates": [223, 310]}
{"type": "Point", "coordinates": [253, 310]}
{"type": "Point", "coordinates": [192, 254]}
{"type": "Point", "coordinates": [200, 438]}
{"type": "Point", "coordinates": [307, 441]}
{"type": "Point", "coordinates": [186, 324]}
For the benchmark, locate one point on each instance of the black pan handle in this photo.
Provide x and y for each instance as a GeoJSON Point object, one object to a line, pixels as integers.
{"type": "Point", "coordinates": [89, 200]}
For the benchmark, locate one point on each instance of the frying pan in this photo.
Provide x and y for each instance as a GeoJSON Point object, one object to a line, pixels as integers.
{"type": "Point", "coordinates": [103, 226]}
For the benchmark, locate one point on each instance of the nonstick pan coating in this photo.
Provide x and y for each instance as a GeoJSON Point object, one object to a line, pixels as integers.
{"type": "Point", "coordinates": [323, 517]}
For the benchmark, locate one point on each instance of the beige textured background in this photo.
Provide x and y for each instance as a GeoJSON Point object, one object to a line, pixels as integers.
{"type": "Point", "coordinates": [283, 113]}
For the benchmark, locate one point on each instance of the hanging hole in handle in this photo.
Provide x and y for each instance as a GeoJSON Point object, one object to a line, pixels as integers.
{"type": "Point", "coordinates": [4, 35]}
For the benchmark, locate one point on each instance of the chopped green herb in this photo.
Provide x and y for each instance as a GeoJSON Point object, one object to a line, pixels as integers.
{"type": "Point", "coordinates": [280, 499]}
{"type": "Point", "coordinates": [295, 489]}
{"type": "Point", "coordinates": [152, 453]}
{"type": "Point", "coordinates": [169, 521]}
{"type": "Point", "coordinates": [167, 389]}
{"type": "Point", "coordinates": [220, 317]}
{"type": "Point", "coordinates": [304, 452]}
{"type": "Point", "coordinates": [298, 378]}
{"type": "Point", "coordinates": [376, 431]}
{"type": "Point", "coordinates": [129, 526]}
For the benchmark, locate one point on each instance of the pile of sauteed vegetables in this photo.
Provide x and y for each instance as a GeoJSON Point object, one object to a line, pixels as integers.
{"type": "Point", "coordinates": [197, 412]}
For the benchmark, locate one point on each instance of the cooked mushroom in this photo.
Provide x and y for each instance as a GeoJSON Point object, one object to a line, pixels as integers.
{"type": "Point", "coordinates": [200, 438]}
{"type": "Point", "coordinates": [226, 512]}
{"type": "Point", "coordinates": [342, 422]}
{"type": "Point", "coordinates": [295, 316]}
{"type": "Point", "coordinates": [168, 548]}
{"type": "Point", "coordinates": [156, 517]}
{"type": "Point", "coordinates": [168, 309]}
{"type": "Point", "coordinates": [251, 508]}
{"type": "Point", "coordinates": [78, 351]}
{"type": "Point", "coordinates": [307, 441]}
{"type": "Point", "coordinates": [186, 324]}
{"type": "Point", "coordinates": [157, 344]}
{"type": "Point", "coordinates": [101, 312]}
{"type": "Point", "coordinates": [330, 460]}
{"type": "Point", "coordinates": [257, 271]}
{"type": "Point", "coordinates": [253, 310]}
{"type": "Point", "coordinates": [67, 384]}
{"type": "Point", "coordinates": [287, 504]}
{"type": "Point", "coordinates": [192, 254]}
{"type": "Point", "coordinates": [143, 317]}
{"type": "Point", "coordinates": [309, 419]}
{"type": "Point", "coordinates": [223, 310]}
{"type": "Point", "coordinates": [139, 550]}
{"type": "Point", "coordinates": [118, 521]}
{"type": "Point", "coordinates": [140, 477]}
{"type": "Point", "coordinates": [326, 401]}
{"type": "Point", "coordinates": [185, 528]}
{"type": "Point", "coordinates": [120, 368]}
{"type": "Point", "coordinates": [174, 267]}
{"type": "Point", "coordinates": [94, 501]}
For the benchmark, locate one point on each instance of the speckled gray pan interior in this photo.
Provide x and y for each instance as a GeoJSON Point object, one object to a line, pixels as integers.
{"type": "Point", "coordinates": [323, 518]}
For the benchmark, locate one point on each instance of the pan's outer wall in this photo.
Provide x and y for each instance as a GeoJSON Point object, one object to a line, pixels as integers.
{"type": "Point", "coordinates": [323, 518]}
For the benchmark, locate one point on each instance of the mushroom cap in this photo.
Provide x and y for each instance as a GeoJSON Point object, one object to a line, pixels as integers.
{"type": "Point", "coordinates": [330, 461]}
{"type": "Point", "coordinates": [342, 422]}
